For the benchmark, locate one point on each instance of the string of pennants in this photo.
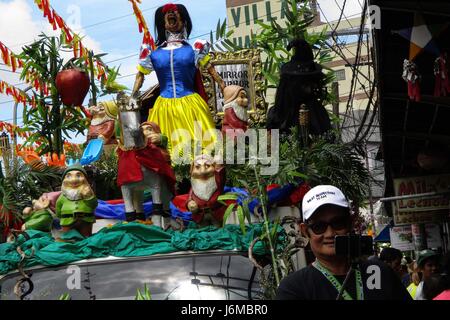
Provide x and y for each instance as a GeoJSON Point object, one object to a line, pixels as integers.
{"type": "Point", "coordinates": [18, 95]}
{"type": "Point", "coordinates": [70, 37]}
{"type": "Point", "coordinates": [142, 24]}
{"type": "Point", "coordinates": [10, 59]}
{"type": "Point", "coordinates": [12, 129]}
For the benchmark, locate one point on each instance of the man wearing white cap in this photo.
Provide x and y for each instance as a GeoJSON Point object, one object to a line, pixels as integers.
{"type": "Point", "coordinates": [326, 214]}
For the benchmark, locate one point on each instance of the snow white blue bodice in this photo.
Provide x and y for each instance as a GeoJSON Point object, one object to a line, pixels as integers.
{"type": "Point", "coordinates": [175, 67]}
{"type": "Point", "coordinates": [179, 110]}
{"type": "Point", "coordinates": [175, 70]}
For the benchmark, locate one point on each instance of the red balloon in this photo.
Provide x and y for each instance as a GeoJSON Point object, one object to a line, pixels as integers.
{"type": "Point", "coordinates": [73, 86]}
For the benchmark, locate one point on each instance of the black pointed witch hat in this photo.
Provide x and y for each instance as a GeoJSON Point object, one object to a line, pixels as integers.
{"type": "Point", "coordinates": [302, 63]}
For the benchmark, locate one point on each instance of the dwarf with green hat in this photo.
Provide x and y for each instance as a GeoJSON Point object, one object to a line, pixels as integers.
{"type": "Point", "coordinates": [77, 203]}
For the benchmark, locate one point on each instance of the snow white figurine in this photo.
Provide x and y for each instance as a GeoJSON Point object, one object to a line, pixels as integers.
{"type": "Point", "coordinates": [177, 63]}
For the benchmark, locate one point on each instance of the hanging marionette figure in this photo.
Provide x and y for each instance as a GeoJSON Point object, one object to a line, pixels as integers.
{"type": "Point", "coordinates": [442, 84]}
{"type": "Point", "coordinates": [412, 77]}
{"type": "Point", "coordinates": [181, 107]}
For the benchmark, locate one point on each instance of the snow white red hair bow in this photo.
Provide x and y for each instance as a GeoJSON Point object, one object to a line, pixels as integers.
{"type": "Point", "coordinates": [170, 7]}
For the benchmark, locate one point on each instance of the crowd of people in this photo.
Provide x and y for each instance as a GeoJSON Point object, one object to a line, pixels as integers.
{"type": "Point", "coordinates": [387, 276]}
{"type": "Point", "coordinates": [427, 278]}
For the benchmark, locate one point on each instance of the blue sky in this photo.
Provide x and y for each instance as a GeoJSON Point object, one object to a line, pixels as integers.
{"type": "Point", "coordinates": [109, 27]}
{"type": "Point", "coordinates": [119, 38]}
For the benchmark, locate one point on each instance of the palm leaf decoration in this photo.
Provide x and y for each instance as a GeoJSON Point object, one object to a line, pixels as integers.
{"type": "Point", "coordinates": [25, 183]}
{"type": "Point", "coordinates": [145, 295]}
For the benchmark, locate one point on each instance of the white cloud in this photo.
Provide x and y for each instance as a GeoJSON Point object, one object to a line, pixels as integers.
{"type": "Point", "coordinates": [331, 9]}
{"type": "Point", "coordinates": [17, 28]}
{"type": "Point", "coordinates": [17, 25]}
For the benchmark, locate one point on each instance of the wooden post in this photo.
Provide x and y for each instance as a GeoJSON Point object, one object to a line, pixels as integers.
{"type": "Point", "coordinates": [92, 75]}
{"type": "Point", "coordinates": [14, 135]}
{"type": "Point", "coordinates": [335, 90]}
{"type": "Point", "coordinates": [419, 237]}
{"type": "Point", "coordinates": [372, 213]}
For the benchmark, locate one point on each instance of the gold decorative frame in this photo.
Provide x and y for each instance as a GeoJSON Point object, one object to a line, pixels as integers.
{"type": "Point", "coordinates": [252, 57]}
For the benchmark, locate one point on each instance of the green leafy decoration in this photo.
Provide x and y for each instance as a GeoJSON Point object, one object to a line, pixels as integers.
{"type": "Point", "coordinates": [24, 184]}
{"type": "Point", "coordinates": [145, 295]}
{"type": "Point", "coordinates": [221, 42]}
{"type": "Point", "coordinates": [50, 120]}
{"type": "Point", "coordinates": [65, 297]}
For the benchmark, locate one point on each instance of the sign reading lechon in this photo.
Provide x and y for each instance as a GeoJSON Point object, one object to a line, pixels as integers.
{"type": "Point", "coordinates": [425, 209]}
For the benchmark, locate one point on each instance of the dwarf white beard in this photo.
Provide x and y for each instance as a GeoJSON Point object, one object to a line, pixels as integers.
{"type": "Point", "coordinates": [72, 194]}
{"type": "Point", "coordinates": [204, 189]}
{"type": "Point", "coordinates": [98, 121]}
{"type": "Point", "coordinates": [240, 112]}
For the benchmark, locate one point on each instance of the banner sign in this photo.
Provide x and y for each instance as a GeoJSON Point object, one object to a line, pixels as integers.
{"type": "Point", "coordinates": [422, 210]}
{"type": "Point", "coordinates": [401, 238]}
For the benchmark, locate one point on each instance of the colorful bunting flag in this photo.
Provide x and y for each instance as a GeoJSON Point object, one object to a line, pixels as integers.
{"type": "Point", "coordinates": [142, 24]}
{"type": "Point", "coordinates": [18, 95]}
{"type": "Point", "coordinates": [10, 59]}
{"type": "Point", "coordinates": [12, 129]}
{"type": "Point", "coordinates": [421, 37]}
{"type": "Point", "coordinates": [71, 38]}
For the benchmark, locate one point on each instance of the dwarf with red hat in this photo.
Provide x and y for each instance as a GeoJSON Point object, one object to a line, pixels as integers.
{"type": "Point", "coordinates": [235, 120]}
{"type": "Point", "coordinates": [208, 181]}
{"type": "Point", "coordinates": [148, 167]}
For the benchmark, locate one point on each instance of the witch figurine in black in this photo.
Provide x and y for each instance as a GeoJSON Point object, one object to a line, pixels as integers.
{"type": "Point", "coordinates": [300, 94]}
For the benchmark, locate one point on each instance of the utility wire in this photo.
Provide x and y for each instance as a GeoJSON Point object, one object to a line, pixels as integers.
{"type": "Point", "coordinates": [339, 52]}
{"type": "Point", "coordinates": [354, 77]}
{"type": "Point", "coordinates": [342, 11]}
{"type": "Point", "coordinates": [193, 38]}
{"type": "Point", "coordinates": [355, 71]}
{"type": "Point", "coordinates": [340, 17]}
{"type": "Point", "coordinates": [96, 24]}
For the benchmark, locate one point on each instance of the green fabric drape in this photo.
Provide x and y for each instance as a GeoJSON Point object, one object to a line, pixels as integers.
{"type": "Point", "coordinates": [129, 240]}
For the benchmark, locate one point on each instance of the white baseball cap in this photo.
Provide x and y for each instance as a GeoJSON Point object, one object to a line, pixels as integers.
{"type": "Point", "coordinates": [319, 196]}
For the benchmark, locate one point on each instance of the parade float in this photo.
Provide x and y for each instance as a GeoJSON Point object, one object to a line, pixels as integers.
{"type": "Point", "coordinates": [135, 189]}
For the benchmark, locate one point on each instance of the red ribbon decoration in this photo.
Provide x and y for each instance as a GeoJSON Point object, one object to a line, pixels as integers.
{"type": "Point", "coordinates": [414, 91]}
{"type": "Point", "coordinates": [78, 49]}
{"type": "Point", "coordinates": [442, 81]}
{"type": "Point", "coordinates": [170, 7]}
{"type": "Point", "coordinates": [142, 24]}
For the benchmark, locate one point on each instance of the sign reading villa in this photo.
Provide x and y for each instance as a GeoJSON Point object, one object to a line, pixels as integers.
{"type": "Point", "coordinates": [244, 14]}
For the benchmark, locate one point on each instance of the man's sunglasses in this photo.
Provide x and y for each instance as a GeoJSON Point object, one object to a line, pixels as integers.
{"type": "Point", "coordinates": [337, 225]}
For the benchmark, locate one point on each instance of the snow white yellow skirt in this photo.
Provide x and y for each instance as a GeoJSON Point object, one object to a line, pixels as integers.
{"type": "Point", "coordinates": [188, 124]}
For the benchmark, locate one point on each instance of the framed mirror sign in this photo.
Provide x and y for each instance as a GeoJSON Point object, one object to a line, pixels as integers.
{"type": "Point", "coordinates": [242, 68]}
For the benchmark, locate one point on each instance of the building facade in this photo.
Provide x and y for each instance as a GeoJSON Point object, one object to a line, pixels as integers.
{"type": "Point", "coordinates": [242, 18]}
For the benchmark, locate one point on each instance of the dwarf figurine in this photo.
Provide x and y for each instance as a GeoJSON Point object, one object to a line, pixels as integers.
{"type": "Point", "coordinates": [154, 137]}
{"type": "Point", "coordinates": [39, 217]}
{"type": "Point", "coordinates": [235, 120]}
{"type": "Point", "coordinates": [102, 125]}
{"type": "Point", "coordinates": [147, 168]}
{"type": "Point", "coordinates": [207, 180]}
{"type": "Point", "coordinates": [77, 203]}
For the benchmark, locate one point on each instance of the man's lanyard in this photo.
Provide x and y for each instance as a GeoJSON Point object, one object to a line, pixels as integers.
{"type": "Point", "coordinates": [338, 286]}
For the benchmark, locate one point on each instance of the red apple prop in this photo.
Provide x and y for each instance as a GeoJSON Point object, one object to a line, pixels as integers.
{"type": "Point", "coordinates": [73, 86]}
